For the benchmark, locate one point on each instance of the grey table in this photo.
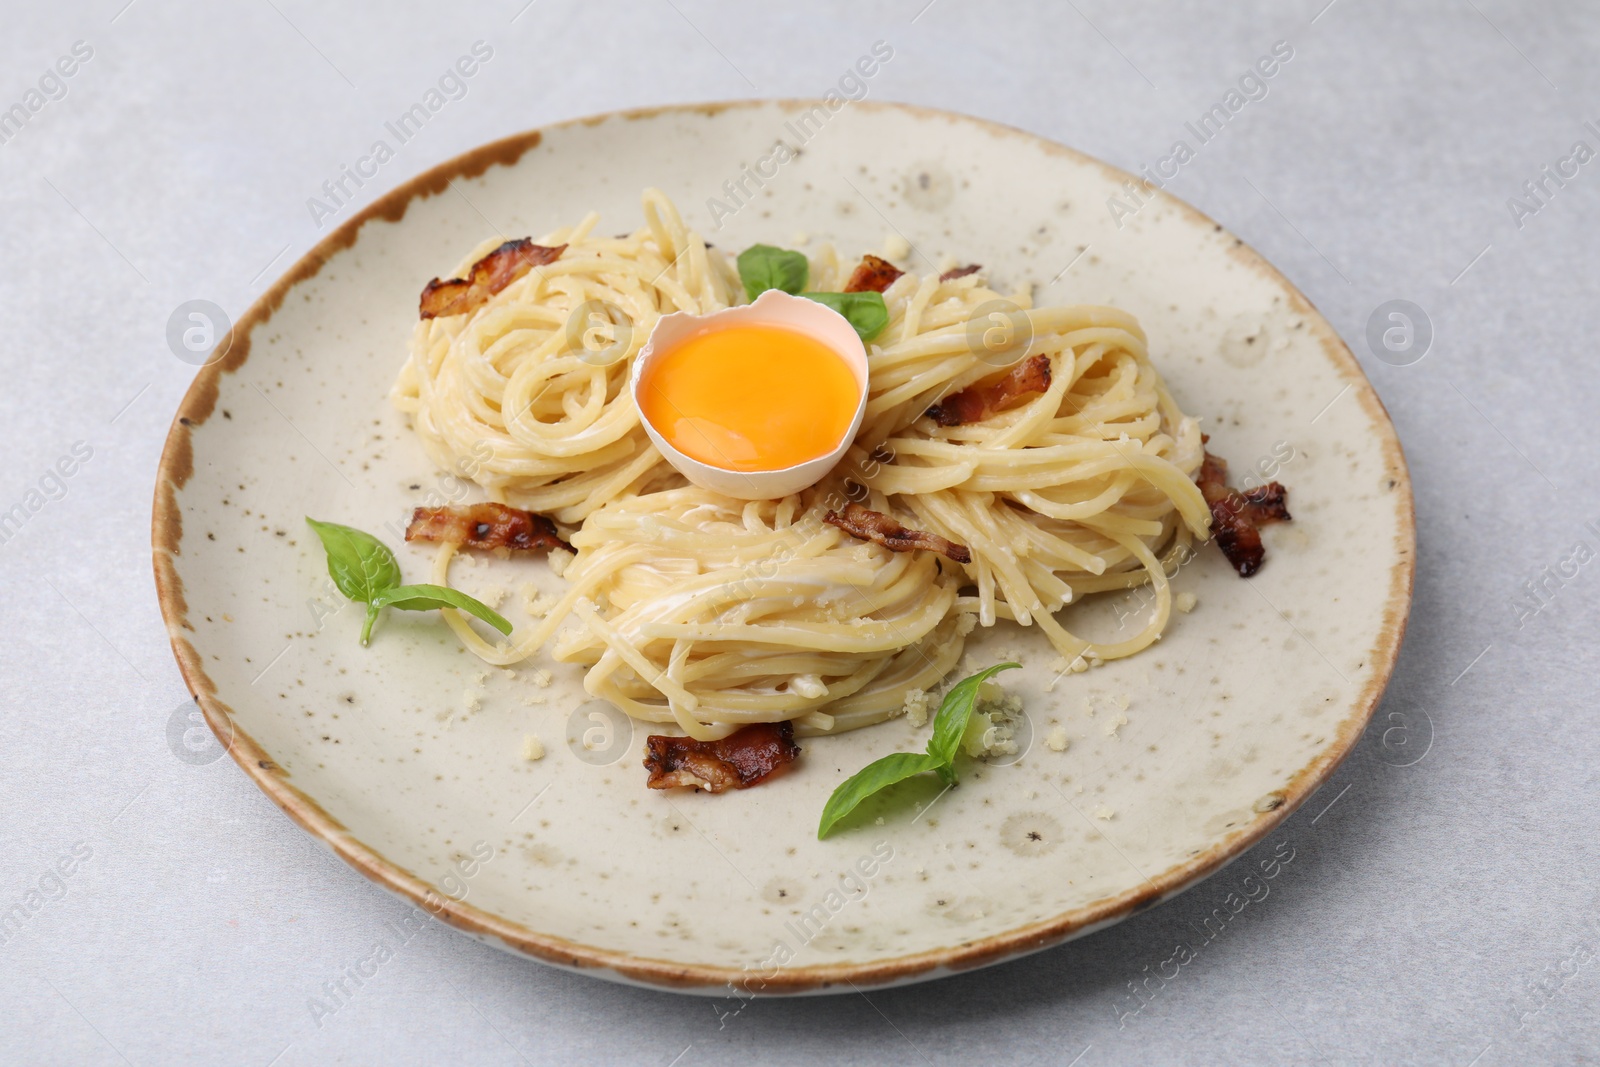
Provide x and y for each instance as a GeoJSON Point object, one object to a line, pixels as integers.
{"type": "Point", "coordinates": [1440, 910]}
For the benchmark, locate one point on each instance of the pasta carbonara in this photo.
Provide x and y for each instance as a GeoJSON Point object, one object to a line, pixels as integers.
{"type": "Point", "coordinates": [691, 608]}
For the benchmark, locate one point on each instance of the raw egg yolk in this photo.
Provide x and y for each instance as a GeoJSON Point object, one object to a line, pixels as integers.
{"type": "Point", "coordinates": [750, 397]}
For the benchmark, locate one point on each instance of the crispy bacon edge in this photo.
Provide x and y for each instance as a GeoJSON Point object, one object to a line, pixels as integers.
{"type": "Point", "coordinates": [487, 277]}
{"type": "Point", "coordinates": [486, 525]}
{"type": "Point", "coordinates": [1236, 516]}
{"type": "Point", "coordinates": [873, 275]}
{"type": "Point", "coordinates": [746, 757]}
{"type": "Point", "coordinates": [875, 526]}
{"type": "Point", "coordinates": [960, 272]}
{"type": "Point", "coordinates": [977, 402]}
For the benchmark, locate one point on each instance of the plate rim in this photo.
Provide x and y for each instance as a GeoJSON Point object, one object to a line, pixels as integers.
{"type": "Point", "coordinates": [176, 466]}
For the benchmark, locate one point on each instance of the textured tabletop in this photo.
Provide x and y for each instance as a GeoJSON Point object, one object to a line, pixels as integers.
{"type": "Point", "coordinates": [1438, 902]}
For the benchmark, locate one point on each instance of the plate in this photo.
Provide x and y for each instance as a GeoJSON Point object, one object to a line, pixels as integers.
{"type": "Point", "coordinates": [406, 757]}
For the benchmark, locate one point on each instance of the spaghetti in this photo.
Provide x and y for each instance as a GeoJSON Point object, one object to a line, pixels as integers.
{"type": "Point", "coordinates": [711, 613]}
{"type": "Point", "coordinates": [537, 378]}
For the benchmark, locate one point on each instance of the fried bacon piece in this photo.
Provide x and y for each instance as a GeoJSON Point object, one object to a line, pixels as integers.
{"type": "Point", "coordinates": [879, 528]}
{"type": "Point", "coordinates": [484, 526]}
{"type": "Point", "coordinates": [960, 272]}
{"type": "Point", "coordinates": [1236, 515]}
{"type": "Point", "coordinates": [874, 275]}
{"type": "Point", "coordinates": [977, 401]}
{"type": "Point", "coordinates": [744, 758]}
{"type": "Point", "coordinates": [488, 276]}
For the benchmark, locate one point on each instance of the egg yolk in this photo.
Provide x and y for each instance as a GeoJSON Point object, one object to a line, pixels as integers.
{"type": "Point", "coordinates": [750, 397]}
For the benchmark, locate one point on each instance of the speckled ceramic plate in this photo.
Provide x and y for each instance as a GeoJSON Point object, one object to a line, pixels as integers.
{"type": "Point", "coordinates": [1230, 722]}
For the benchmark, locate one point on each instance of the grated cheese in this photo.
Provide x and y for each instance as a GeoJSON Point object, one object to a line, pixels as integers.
{"type": "Point", "coordinates": [995, 717]}
{"type": "Point", "coordinates": [916, 707]}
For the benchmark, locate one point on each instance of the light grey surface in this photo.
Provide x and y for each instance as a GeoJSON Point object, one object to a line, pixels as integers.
{"type": "Point", "coordinates": [1432, 913]}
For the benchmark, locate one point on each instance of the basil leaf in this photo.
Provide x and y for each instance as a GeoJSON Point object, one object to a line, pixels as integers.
{"type": "Point", "coordinates": [763, 267]}
{"type": "Point", "coordinates": [954, 712]}
{"type": "Point", "coordinates": [429, 597]}
{"type": "Point", "coordinates": [363, 568]}
{"type": "Point", "coordinates": [360, 565]}
{"type": "Point", "coordinates": [880, 774]}
{"type": "Point", "coordinates": [864, 311]}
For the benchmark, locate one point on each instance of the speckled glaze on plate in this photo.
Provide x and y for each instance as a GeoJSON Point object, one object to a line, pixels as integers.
{"type": "Point", "coordinates": [1232, 720]}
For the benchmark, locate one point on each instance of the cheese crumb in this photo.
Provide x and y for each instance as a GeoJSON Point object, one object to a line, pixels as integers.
{"type": "Point", "coordinates": [532, 747]}
{"type": "Point", "coordinates": [995, 716]}
{"type": "Point", "coordinates": [896, 247]}
{"type": "Point", "coordinates": [800, 238]}
{"type": "Point", "coordinates": [1113, 725]}
{"type": "Point", "coordinates": [532, 700]}
{"type": "Point", "coordinates": [1185, 602]}
{"type": "Point", "coordinates": [809, 686]}
{"type": "Point", "coordinates": [493, 595]}
{"type": "Point", "coordinates": [1104, 813]}
{"type": "Point", "coordinates": [1057, 741]}
{"type": "Point", "coordinates": [1059, 669]}
{"type": "Point", "coordinates": [916, 707]}
{"type": "Point", "coordinates": [558, 560]}
{"type": "Point", "coordinates": [470, 700]}
{"type": "Point", "coordinates": [540, 677]}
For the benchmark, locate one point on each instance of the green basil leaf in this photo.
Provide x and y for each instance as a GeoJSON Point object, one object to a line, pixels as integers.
{"type": "Point", "coordinates": [429, 597]}
{"type": "Point", "coordinates": [954, 711]}
{"type": "Point", "coordinates": [763, 267]}
{"type": "Point", "coordinates": [865, 311]}
{"type": "Point", "coordinates": [360, 565]}
{"type": "Point", "coordinates": [880, 774]}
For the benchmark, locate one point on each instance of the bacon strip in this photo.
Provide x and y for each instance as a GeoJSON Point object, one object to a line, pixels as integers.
{"type": "Point", "coordinates": [874, 275]}
{"type": "Point", "coordinates": [484, 525]}
{"type": "Point", "coordinates": [879, 528]}
{"type": "Point", "coordinates": [488, 276]}
{"type": "Point", "coordinates": [1235, 516]}
{"type": "Point", "coordinates": [744, 758]}
{"type": "Point", "coordinates": [977, 401]}
{"type": "Point", "coordinates": [960, 272]}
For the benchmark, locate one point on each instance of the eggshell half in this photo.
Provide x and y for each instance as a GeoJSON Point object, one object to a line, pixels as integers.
{"type": "Point", "coordinates": [771, 308]}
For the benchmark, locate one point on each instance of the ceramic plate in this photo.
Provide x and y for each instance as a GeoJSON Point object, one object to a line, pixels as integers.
{"type": "Point", "coordinates": [406, 757]}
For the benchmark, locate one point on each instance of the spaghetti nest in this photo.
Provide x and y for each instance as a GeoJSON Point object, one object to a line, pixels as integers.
{"type": "Point", "coordinates": [710, 612]}
{"type": "Point", "coordinates": [1087, 486]}
{"type": "Point", "coordinates": [528, 395]}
